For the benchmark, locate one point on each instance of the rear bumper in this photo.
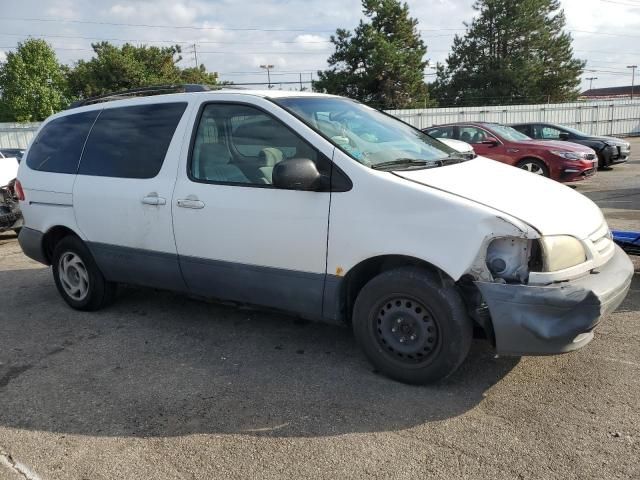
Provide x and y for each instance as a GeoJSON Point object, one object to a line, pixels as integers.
{"type": "Point", "coordinates": [30, 241]}
{"type": "Point", "coordinates": [546, 320]}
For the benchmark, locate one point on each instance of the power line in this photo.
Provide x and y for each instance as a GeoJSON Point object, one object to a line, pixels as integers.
{"type": "Point", "coordinates": [149, 25]}
{"type": "Point", "coordinates": [188, 42]}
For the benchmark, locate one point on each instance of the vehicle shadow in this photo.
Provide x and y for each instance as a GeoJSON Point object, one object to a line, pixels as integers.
{"type": "Point", "coordinates": [162, 364]}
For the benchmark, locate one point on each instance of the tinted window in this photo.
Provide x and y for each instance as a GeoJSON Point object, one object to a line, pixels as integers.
{"type": "Point", "coordinates": [58, 146]}
{"type": "Point", "coordinates": [239, 144]}
{"type": "Point", "coordinates": [131, 142]}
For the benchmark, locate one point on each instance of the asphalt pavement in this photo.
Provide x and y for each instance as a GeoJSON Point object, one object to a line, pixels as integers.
{"type": "Point", "coordinates": [162, 386]}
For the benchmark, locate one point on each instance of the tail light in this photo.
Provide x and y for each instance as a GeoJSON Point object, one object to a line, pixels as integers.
{"type": "Point", "coordinates": [19, 191]}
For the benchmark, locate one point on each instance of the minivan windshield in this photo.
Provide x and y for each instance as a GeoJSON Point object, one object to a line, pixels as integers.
{"type": "Point", "coordinates": [372, 138]}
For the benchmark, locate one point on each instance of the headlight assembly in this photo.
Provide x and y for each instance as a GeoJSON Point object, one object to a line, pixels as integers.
{"type": "Point", "coordinates": [568, 155]}
{"type": "Point", "coordinates": [560, 252]}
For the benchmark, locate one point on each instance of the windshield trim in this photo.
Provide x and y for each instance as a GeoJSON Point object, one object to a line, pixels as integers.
{"type": "Point", "coordinates": [276, 101]}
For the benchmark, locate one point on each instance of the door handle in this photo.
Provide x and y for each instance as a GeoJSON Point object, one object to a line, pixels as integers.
{"type": "Point", "coordinates": [154, 199]}
{"type": "Point", "coordinates": [190, 202]}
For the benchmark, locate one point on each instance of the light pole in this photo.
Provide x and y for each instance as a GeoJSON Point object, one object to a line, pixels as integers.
{"type": "Point", "coordinates": [591, 79]}
{"type": "Point", "coordinates": [268, 69]}
{"type": "Point", "coordinates": [633, 77]}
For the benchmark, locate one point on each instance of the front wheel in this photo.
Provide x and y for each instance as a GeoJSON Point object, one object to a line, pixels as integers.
{"type": "Point", "coordinates": [534, 166]}
{"type": "Point", "coordinates": [78, 278]}
{"type": "Point", "coordinates": [412, 326]}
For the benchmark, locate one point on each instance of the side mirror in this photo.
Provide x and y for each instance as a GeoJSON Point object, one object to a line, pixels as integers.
{"type": "Point", "coordinates": [490, 141]}
{"type": "Point", "coordinates": [297, 174]}
{"type": "Point", "coordinates": [564, 136]}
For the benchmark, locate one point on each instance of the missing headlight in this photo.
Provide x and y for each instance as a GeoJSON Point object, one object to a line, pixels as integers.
{"type": "Point", "coordinates": [509, 258]}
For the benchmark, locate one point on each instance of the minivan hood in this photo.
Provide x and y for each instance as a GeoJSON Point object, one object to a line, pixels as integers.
{"type": "Point", "coordinates": [546, 205]}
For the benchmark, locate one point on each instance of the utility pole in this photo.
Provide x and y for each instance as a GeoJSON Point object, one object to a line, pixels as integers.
{"type": "Point", "coordinates": [300, 81]}
{"type": "Point", "coordinates": [591, 79]}
{"type": "Point", "coordinates": [633, 77]}
{"type": "Point", "coordinates": [268, 69]}
{"type": "Point", "coordinates": [195, 53]}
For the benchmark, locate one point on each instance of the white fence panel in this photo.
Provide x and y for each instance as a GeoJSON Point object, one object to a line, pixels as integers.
{"type": "Point", "coordinates": [17, 135]}
{"type": "Point", "coordinates": [612, 117]}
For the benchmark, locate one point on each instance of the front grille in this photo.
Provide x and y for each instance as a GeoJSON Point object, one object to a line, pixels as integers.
{"type": "Point", "coordinates": [602, 241]}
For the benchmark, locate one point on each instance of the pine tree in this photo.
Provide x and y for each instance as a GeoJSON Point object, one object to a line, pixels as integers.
{"type": "Point", "coordinates": [514, 51]}
{"type": "Point", "coordinates": [382, 62]}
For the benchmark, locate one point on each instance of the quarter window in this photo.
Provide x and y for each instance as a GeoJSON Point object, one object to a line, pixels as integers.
{"type": "Point", "coordinates": [441, 132]}
{"type": "Point", "coordinates": [131, 142]}
{"type": "Point", "coordinates": [240, 144]}
{"type": "Point", "coordinates": [58, 146]}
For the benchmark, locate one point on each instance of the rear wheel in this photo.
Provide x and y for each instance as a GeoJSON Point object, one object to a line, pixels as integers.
{"type": "Point", "coordinates": [78, 278]}
{"type": "Point", "coordinates": [412, 326]}
{"type": "Point", "coordinates": [533, 166]}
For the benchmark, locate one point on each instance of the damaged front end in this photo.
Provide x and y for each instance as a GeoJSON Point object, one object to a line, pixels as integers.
{"type": "Point", "coordinates": [537, 295]}
{"type": "Point", "coordinates": [10, 214]}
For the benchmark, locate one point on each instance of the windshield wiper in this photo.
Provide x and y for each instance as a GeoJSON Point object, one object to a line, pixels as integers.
{"type": "Point", "coordinates": [400, 163]}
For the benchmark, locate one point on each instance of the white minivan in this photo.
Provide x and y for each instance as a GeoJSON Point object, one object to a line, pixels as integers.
{"type": "Point", "coordinates": [322, 207]}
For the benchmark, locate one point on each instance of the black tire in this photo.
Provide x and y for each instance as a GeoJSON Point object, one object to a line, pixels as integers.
{"type": "Point", "coordinates": [99, 292]}
{"type": "Point", "coordinates": [534, 163]}
{"type": "Point", "coordinates": [426, 311]}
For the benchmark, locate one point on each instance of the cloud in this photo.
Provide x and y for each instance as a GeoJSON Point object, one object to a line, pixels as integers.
{"type": "Point", "coordinates": [3, 56]}
{"type": "Point", "coordinates": [312, 42]}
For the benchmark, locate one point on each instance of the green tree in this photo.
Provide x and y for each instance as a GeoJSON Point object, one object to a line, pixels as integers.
{"type": "Point", "coordinates": [382, 62]}
{"type": "Point", "coordinates": [514, 51]}
{"type": "Point", "coordinates": [32, 82]}
{"type": "Point", "coordinates": [115, 68]}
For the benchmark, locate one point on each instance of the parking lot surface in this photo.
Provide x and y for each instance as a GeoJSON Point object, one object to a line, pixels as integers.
{"type": "Point", "coordinates": [162, 386]}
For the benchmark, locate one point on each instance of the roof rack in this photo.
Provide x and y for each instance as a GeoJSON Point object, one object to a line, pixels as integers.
{"type": "Point", "coordinates": [147, 92]}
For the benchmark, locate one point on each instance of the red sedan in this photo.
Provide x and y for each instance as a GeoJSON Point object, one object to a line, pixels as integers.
{"type": "Point", "coordinates": [562, 161]}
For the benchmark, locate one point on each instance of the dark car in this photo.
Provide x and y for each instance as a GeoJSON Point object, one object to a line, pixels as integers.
{"type": "Point", "coordinates": [561, 161]}
{"type": "Point", "coordinates": [610, 150]}
{"type": "Point", "coordinates": [16, 153]}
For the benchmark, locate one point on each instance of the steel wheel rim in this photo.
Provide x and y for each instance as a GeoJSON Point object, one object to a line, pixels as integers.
{"type": "Point", "coordinates": [407, 330]}
{"type": "Point", "coordinates": [73, 276]}
{"type": "Point", "coordinates": [532, 168]}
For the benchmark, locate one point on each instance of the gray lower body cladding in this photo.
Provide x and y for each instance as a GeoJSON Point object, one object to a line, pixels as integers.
{"type": "Point", "coordinates": [544, 320]}
{"type": "Point", "coordinates": [30, 241]}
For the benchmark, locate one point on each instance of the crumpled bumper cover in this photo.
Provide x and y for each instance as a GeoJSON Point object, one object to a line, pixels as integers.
{"type": "Point", "coordinates": [545, 320]}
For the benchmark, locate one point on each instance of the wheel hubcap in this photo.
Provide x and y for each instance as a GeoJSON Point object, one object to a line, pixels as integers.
{"type": "Point", "coordinates": [533, 168]}
{"type": "Point", "coordinates": [407, 330]}
{"type": "Point", "coordinates": [73, 276]}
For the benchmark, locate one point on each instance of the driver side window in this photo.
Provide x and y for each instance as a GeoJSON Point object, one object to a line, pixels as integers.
{"type": "Point", "coordinates": [241, 145]}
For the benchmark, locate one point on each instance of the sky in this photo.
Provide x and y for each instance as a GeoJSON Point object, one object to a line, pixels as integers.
{"type": "Point", "coordinates": [235, 38]}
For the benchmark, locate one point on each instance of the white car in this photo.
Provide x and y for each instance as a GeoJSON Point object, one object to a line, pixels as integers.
{"type": "Point", "coordinates": [319, 206]}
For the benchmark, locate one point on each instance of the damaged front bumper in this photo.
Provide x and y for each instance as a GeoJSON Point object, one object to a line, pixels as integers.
{"type": "Point", "coordinates": [545, 320]}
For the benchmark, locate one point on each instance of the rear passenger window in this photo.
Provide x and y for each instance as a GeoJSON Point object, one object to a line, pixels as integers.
{"type": "Point", "coordinates": [58, 146]}
{"type": "Point", "coordinates": [131, 142]}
